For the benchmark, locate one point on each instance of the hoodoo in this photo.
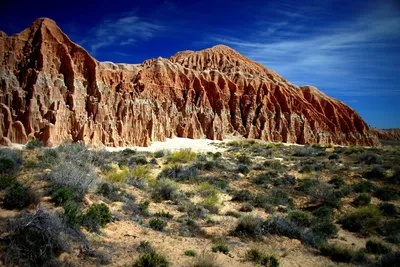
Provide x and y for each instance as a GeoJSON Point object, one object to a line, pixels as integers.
{"type": "Point", "coordinates": [52, 89]}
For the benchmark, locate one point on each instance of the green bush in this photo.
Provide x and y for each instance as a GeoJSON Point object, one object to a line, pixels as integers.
{"type": "Point", "coordinates": [19, 196]}
{"type": "Point", "coordinates": [307, 185]}
{"type": "Point", "coordinates": [34, 144]}
{"type": "Point", "coordinates": [362, 200]}
{"type": "Point", "coordinates": [182, 156]}
{"type": "Point", "coordinates": [140, 160]}
{"type": "Point", "coordinates": [204, 260]}
{"type": "Point", "coordinates": [244, 159]}
{"type": "Point", "coordinates": [376, 247]}
{"type": "Point", "coordinates": [387, 193]}
{"type": "Point", "coordinates": [337, 253]}
{"type": "Point", "coordinates": [337, 181]}
{"type": "Point", "coordinates": [164, 214]}
{"type": "Point", "coordinates": [207, 190]}
{"type": "Point", "coordinates": [10, 162]}
{"type": "Point", "coordinates": [325, 228]}
{"type": "Point", "coordinates": [48, 158]}
{"type": "Point", "coordinates": [98, 215]}
{"type": "Point", "coordinates": [363, 220]}
{"type": "Point", "coordinates": [390, 259]}
{"type": "Point", "coordinates": [279, 197]}
{"type": "Point", "coordinates": [376, 172]}
{"type": "Point", "coordinates": [220, 247]}
{"type": "Point", "coordinates": [157, 224]}
{"type": "Point", "coordinates": [249, 226]}
{"type": "Point", "coordinates": [211, 204]}
{"type": "Point", "coordinates": [370, 158]}
{"type": "Point", "coordinates": [246, 207]}
{"type": "Point", "coordinates": [151, 259]}
{"type": "Point", "coordinates": [73, 216]}
{"type": "Point", "coordinates": [109, 191]}
{"type": "Point", "coordinates": [145, 247]}
{"type": "Point", "coordinates": [165, 189]}
{"type": "Point", "coordinates": [242, 195]}
{"type": "Point", "coordinates": [35, 240]}
{"type": "Point", "coordinates": [244, 169]}
{"type": "Point", "coordinates": [6, 181]}
{"type": "Point", "coordinates": [301, 218]}
{"type": "Point", "coordinates": [364, 187]}
{"type": "Point", "coordinates": [388, 209]}
{"type": "Point", "coordinates": [190, 253]}
{"type": "Point", "coordinates": [323, 212]}
{"type": "Point", "coordinates": [61, 195]}
{"type": "Point", "coordinates": [256, 256]}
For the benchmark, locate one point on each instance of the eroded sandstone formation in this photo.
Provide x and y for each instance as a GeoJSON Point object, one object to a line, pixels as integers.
{"type": "Point", "coordinates": [53, 90]}
{"type": "Point", "coordinates": [388, 134]}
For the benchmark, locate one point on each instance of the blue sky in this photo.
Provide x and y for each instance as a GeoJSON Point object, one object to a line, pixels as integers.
{"type": "Point", "coordinates": [350, 50]}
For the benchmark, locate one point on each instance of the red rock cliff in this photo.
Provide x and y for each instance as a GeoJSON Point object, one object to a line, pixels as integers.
{"type": "Point", "coordinates": [53, 90]}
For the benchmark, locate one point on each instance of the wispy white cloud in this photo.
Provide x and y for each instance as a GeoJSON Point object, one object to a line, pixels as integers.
{"type": "Point", "coordinates": [123, 31]}
{"type": "Point", "coordinates": [343, 55]}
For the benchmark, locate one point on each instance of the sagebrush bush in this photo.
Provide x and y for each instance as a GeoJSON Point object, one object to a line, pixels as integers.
{"type": "Point", "coordinates": [242, 195]}
{"type": "Point", "coordinates": [259, 257]}
{"type": "Point", "coordinates": [370, 158]}
{"type": "Point", "coordinates": [337, 253]}
{"type": "Point", "coordinates": [179, 173]}
{"type": "Point", "coordinates": [325, 228]}
{"type": "Point", "coordinates": [151, 259]}
{"type": "Point", "coordinates": [337, 181]}
{"type": "Point", "coordinates": [6, 181]}
{"type": "Point", "coordinates": [35, 240]}
{"type": "Point", "coordinates": [363, 220]}
{"type": "Point", "coordinates": [307, 185]}
{"type": "Point", "coordinates": [376, 247]}
{"type": "Point", "coordinates": [387, 193]}
{"type": "Point", "coordinates": [388, 209]}
{"type": "Point", "coordinates": [377, 172]}
{"type": "Point", "coordinates": [206, 190]}
{"type": "Point", "coordinates": [210, 203]}
{"type": "Point", "coordinates": [182, 156]}
{"type": "Point", "coordinates": [362, 200]}
{"type": "Point", "coordinates": [190, 253]}
{"type": "Point", "coordinates": [205, 260]}
{"type": "Point", "coordinates": [144, 247]}
{"type": "Point", "coordinates": [249, 226]}
{"type": "Point", "coordinates": [10, 162]}
{"type": "Point", "coordinates": [34, 144]}
{"type": "Point", "coordinates": [61, 195]}
{"type": "Point", "coordinates": [98, 215]}
{"type": "Point", "coordinates": [304, 151]}
{"type": "Point", "coordinates": [220, 247]}
{"type": "Point", "coordinates": [301, 218]}
{"type": "Point", "coordinates": [166, 189]}
{"type": "Point", "coordinates": [48, 158]}
{"type": "Point", "coordinates": [244, 169]}
{"type": "Point", "coordinates": [364, 187]}
{"type": "Point", "coordinates": [157, 224]}
{"type": "Point", "coordinates": [117, 174]}
{"type": "Point", "coordinates": [73, 216]}
{"type": "Point", "coordinates": [323, 212]}
{"type": "Point", "coordinates": [19, 196]}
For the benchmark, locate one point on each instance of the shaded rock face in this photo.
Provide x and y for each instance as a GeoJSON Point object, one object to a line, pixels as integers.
{"type": "Point", "coordinates": [53, 90]}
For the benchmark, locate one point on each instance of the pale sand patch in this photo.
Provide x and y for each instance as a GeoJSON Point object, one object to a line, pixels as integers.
{"type": "Point", "coordinates": [177, 143]}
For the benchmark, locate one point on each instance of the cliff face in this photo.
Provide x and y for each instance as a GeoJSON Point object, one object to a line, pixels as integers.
{"type": "Point", "coordinates": [387, 134]}
{"type": "Point", "coordinates": [52, 89]}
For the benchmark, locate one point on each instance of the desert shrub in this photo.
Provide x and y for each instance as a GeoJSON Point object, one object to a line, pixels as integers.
{"type": "Point", "coordinates": [35, 240]}
{"type": "Point", "coordinates": [301, 218]}
{"type": "Point", "coordinates": [337, 181]}
{"type": "Point", "coordinates": [77, 176]}
{"type": "Point", "coordinates": [48, 158]}
{"type": "Point", "coordinates": [395, 178]}
{"type": "Point", "coordinates": [109, 191]}
{"type": "Point", "coordinates": [164, 214]}
{"type": "Point", "coordinates": [307, 185]}
{"type": "Point", "coordinates": [244, 159]}
{"type": "Point", "coordinates": [246, 207]}
{"type": "Point", "coordinates": [333, 156]}
{"type": "Point", "coordinates": [220, 247]}
{"type": "Point", "coordinates": [376, 247]}
{"type": "Point", "coordinates": [265, 178]}
{"type": "Point", "coordinates": [19, 196]}
{"type": "Point", "coordinates": [190, 253]}
{"type": "Point", "coordinates": [337, 253]}
{"type": "Point", "coordinates": [362, 200]}
{"type": "Point", "coordinates": [387, 193]}
{"type": "Point", "coordinates": [140, 172]}
{"type": "Point", "coordinates": [388, 209]}
{"type": "Point", "coordinates": [182, 156]}
{"type": "Point", "coordinates": [364, 187]}
{"type": "Point", "coordinates": [244, 169]}
{"type": "Point", "coordinates": [10, 162]}
{"type": "Point", "coordinates": [377, 172]}
{"type": "Point", "coordinates": [205, 260]}
{"type": "Point", "coordinates": [390, 259]}
{"type": "Point", "coordinates": [324, 194]}
{"type": "Point", "coordinates": [207, 190]}
{"type": "Point", "coordinates": [6, 181]}
{"type": "Point", "coordinates": [261, 200]}
{"type": "Point", "coordinates": [304, 151]}
{"type": "Point", "coordinates": [279, 197]}
{"type": "Point", "coordinates": [257, 256]}
{"type": "Point", "coordinates": [179, 173]}
{"type": "Point", "coordinates": [190, 228]}
{"type": "Point", "coordinates": [117, 174]}
{"type": "Point", "coordinates": [165, 189]}
{"type": "Point", "coordinates": [144, 247]}
{"type": "Point", "coordinates": [34, 144]}
{"type": "Point", "coordinates": [73, 216]}
{"type": "Point", "coordinates": [363, 220]}
{"type": "Point", "coordinates": [390, 228]}
{"type": "Point", "coordinates": [323, 212]}
{"type": "Point", "coordinates": [140, 160]}
{"type": "Point", "coordinates": [324, 228]}
{"type": "Point", "coordinates": [151, 259]}
{"type": "Point", "coordinates": [98, 215]}
{"type": "Point", "coordinates": [61, 195]}
{"type": "Point", "coordinates": [288, 179]}
{"type": "Point", "coordinates": [220, 183]}
{"type": "Point", "coordinates": [159, 154]}
{"type": "Point", "coordinates": [353, 150]}
{"type": "Point", "coordinates": [274, 165]}
{"type": "Point", "coordinates": [157, 224]}
{"type": "Point", "coordinates": [211, 204]}
{"type": "Point", "coordinates": [369, 158]}
{"type": "Point", "coordinates": [249, 226]}
{"type": "Point", "coordinates": [242, 195]}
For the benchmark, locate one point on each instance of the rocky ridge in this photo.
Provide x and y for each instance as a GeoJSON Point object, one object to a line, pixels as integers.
{"type": "Point", "coordinates": [52, 89]}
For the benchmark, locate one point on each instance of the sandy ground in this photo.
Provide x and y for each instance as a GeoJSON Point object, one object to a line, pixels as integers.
{"type": "Point", "coordinates": [177, 143]}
